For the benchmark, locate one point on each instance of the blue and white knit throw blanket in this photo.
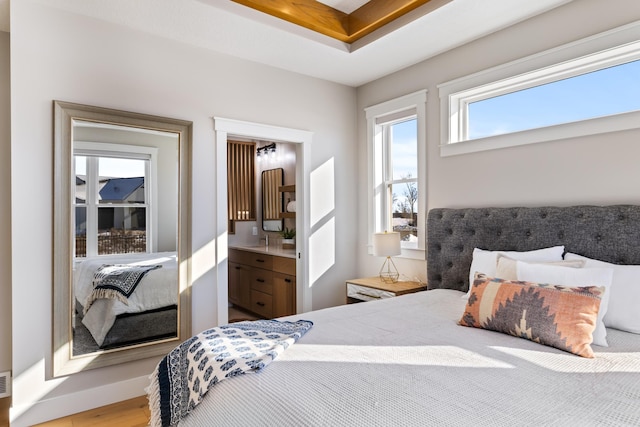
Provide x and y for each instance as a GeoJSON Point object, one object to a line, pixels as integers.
{"type": "Point", "coordinates": [182, 378]}
{"type": "Point", "coordinates": [116, 282]}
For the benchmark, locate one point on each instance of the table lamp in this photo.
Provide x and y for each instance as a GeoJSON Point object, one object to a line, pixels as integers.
{"type": "Point", "coordinates": [387, 245]}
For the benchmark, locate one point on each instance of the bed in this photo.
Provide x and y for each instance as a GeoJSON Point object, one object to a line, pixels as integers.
{"type": "Point", "coordinates": [407, 360]}
{"type": "Point", "coordinates": [148, 313]}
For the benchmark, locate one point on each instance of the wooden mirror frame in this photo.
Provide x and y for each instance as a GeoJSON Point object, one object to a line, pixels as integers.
{"type": "Point", "coordinates": [64, 114]}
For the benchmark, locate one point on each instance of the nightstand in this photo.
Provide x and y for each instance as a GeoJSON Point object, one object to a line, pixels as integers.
{"type": "Point", "coordinates": [373, 288]}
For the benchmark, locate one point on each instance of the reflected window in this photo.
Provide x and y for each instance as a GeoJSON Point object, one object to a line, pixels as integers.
{"type": "Point", "coordinates": [112, 203]}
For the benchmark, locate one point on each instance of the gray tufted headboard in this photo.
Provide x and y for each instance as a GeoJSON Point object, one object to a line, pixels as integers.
{"type": "Point", "coordinates": [607, 233]}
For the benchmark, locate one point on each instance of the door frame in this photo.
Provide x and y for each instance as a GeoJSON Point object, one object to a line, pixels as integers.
{"type": "Point", "coordinates": [225, 128]}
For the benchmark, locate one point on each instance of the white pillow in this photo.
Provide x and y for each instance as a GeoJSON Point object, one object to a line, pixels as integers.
{"type": "Point", "coordinates": [484, 261]}
{"type": "Point", "coordinates": [569, 276]}
{"type": "Point", "coordinates": [507, 267]}
{"type": "Point", "coordinates": [625, 294]}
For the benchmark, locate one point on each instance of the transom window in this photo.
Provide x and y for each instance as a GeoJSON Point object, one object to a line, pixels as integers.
{"type": "Point", "coordinates": [398, 170]}
{"type": "Point", "coordinates": [600, 93]}
{"type": "Point", "coordinates": [550, 96]}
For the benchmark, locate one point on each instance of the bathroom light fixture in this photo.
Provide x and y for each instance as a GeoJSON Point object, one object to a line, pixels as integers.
{"type": "Point", "coordinates": [267, 149]}
{"type": "Point", "coordinates": [387, 245]}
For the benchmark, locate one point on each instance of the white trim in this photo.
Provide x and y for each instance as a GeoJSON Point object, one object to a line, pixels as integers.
{"type": "Point", "coordinates": [614, 123]}
{"type": "Point", "coordinates": [415, 104]}
{"type": "Point", "coordinates": [596, 52]}
{"type": "Point", "coordinates": [225, 127]}
{"type": "Point", "coordinates": [402, 103]}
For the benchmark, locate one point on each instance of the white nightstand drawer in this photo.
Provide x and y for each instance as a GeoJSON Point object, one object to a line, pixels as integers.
{"type": "Point", "coordinates": [365, 293]}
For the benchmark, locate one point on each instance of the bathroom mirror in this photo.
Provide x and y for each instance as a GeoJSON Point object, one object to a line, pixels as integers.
{"type": "Point", "coordinates": [121, 251]}
{"type": "Point", "coordinates": [272, 201]}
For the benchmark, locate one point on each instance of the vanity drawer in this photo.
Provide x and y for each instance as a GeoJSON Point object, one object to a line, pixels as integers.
{"type": "Point", "coordinates": [262, 281]}
{"type": "Point", "coordinates": [261, 261]}
{"type": "Point", "coordinates": [253, 259]}
{"type": "Point", "coordinates": [262, 304]}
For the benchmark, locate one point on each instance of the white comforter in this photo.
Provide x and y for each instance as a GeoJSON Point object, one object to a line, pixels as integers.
{"type": "Point", "coordinates": [405, 362]}
{"type": "Point", "coordinates": [158, 288]}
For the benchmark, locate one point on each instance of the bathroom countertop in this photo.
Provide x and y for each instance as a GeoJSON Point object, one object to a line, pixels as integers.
{"type": "Point", "coordinates": [275, 250]}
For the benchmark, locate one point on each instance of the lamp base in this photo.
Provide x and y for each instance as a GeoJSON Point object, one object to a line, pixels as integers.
{"type": "Point", "coordinates": [389, 272]}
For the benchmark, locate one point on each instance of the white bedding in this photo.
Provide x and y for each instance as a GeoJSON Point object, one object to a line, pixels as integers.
{"type": "Point", "coordinates": [158, 288]}
{"type": "Point", "coordinates": [404, 361]}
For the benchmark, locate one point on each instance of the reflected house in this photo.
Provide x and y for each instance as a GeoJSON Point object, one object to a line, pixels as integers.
{"type": "Point", "coordinates": [122, 191]}
{"type": "Point", "coordinates": [121, 216]}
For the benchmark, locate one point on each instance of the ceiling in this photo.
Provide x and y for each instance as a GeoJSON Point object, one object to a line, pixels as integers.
{"type": "Point", "coordinates": [347, 21]}
{"type": "Point", "coordinates": [231, 28]}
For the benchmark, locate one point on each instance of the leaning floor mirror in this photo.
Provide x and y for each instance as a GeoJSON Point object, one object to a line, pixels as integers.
{"type": "Point", "coordinates": [121, 243]}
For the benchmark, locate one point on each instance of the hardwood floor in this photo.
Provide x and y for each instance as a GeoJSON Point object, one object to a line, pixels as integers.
{"type": "Point", "coordinates": [237, 314]}
{"type": "Point", "coordinates": [129, 413]}
{"type": "Point", "coordinates": [5, 404]}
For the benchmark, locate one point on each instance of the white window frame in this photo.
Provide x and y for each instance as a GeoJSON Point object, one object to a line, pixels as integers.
{"type": "Point", "coordinates": [414, 104]}
{"type": "Point", "coordinates": [101, 149]}
{"type": "Point", "coordinates": [603, 50]}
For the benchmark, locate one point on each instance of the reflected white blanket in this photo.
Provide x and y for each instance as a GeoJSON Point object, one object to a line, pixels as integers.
{"type": "Point", "coordinates": [404, 361]}
{"type": "Point", "coordinates": [158, 288]}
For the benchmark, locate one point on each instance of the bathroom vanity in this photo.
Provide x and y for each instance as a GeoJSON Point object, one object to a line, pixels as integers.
{"type": "Point", "coordinates": [262, 279]}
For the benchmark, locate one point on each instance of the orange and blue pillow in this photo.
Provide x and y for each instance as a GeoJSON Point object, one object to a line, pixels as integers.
{"type": "Point", "coordinates": [563, 317]}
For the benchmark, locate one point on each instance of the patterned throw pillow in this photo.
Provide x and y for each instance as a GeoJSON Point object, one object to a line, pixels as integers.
{"type": "Point", "coordinates": [558, 316]}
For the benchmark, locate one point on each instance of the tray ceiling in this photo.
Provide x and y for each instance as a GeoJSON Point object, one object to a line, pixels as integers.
{"type": "Point", "coordinates": [347, 21]}
{"type": "Point", "coordinates": [230, 28]}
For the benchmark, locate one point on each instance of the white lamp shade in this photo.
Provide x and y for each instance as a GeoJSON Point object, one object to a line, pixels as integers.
{"type": "Point", "coordinates": [386, 244]}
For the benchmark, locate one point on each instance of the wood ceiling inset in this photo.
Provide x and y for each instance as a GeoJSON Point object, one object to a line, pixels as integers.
{"type": "Point", "coordinates": [331, 22]}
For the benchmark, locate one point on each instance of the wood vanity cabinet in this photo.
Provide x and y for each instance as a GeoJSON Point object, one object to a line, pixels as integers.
{"type": "Point", "coordinates": [239, 284]}
{"type": "Point", "coordinates": [261, 283]}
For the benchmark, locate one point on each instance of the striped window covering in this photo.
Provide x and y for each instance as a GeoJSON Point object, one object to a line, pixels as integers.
{"type": "Point", "coordinates": [241, 189]}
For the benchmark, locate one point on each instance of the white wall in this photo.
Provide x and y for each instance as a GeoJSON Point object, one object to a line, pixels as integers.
{"type": "Point", "coordinates": [55, 55]}
{"type": "Point", "coordinates": [599, 169]}
{"type": "Point", "coordinates": [5, 208]}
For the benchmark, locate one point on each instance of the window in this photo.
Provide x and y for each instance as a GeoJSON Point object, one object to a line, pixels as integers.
{"type": "Point", "coordinates": [553, 95]}
{"type": "Point", "coordinates": [600, 93]}
{"type": "Point", "coordinates": [113, 200]}
{"type": "Point", "coordinates": [397, 176]}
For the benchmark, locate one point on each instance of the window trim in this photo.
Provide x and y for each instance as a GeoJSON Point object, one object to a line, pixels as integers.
{"type": "Point", "coordinates": [603, 50]}
{"type": "Point", "coordinates": [415, 104]}
{"type": "Point", "coordinates": [101, 149]}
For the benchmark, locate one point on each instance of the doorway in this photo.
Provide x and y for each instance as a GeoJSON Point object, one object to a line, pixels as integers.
{"type": "Point", "coordinates": [300, 140]}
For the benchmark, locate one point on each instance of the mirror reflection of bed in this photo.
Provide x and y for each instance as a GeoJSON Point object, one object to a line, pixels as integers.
{"type": "Point", "coordinates": [149, 313]}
